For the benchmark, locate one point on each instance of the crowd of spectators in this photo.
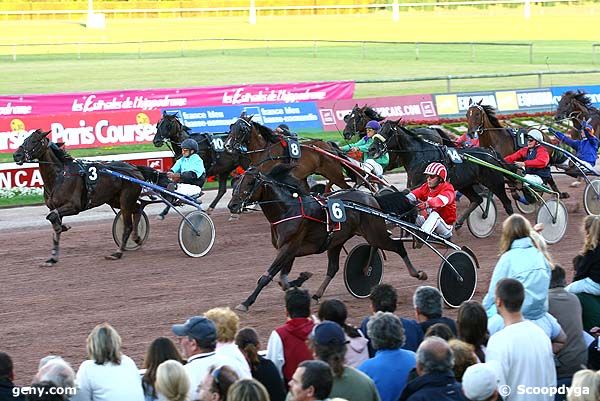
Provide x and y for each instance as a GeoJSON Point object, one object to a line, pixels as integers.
{"type": "Point", "coordinates": [527, 340]}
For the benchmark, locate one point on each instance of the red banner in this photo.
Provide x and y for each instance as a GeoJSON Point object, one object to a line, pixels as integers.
{"type": "Point", "coordinates": [155, 99]}
{"type": "Point", "coordinates": [409, 108]}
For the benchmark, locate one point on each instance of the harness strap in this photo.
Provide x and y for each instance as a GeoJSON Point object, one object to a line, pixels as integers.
{"type": "Point", "coordinates": [302, 215]}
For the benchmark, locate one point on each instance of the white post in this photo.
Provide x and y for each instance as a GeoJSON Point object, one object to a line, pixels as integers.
{"type": "Point", "coordinates": [252, 18]}
{"type": "Point", "coordinates": [395, 11]}
{"type": "Point", "coordinates": [90, 8]}
{"type": "Point", "coordinates": [527, 9]}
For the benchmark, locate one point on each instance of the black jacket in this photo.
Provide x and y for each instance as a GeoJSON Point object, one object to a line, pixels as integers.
{"type": "Point", "coordinates": [266, 373]}
{"type": "Point", "coordinates": [433, 386]}
{"type": "Point", "coordinates": [6, 391]}
{"type": "Point", "coordinates": [588, 265]}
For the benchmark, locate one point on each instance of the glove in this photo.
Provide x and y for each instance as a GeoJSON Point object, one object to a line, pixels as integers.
{"type": "Point", "coordinates": [553, 131]}
{"type": "Point", "coordinates": [421, 206]}
{"type": "Point", "coordinates": [587, 127]}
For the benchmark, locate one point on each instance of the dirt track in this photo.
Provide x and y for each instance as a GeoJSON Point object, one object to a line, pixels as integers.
{"type": "Point", "coordinates": [52, 310]}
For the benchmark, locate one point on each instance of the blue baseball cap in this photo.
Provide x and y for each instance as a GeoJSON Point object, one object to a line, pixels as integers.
{"type": "Point", "coordinates": [328, 333]}
{"type": "Point", "coordinates": [197, 327]}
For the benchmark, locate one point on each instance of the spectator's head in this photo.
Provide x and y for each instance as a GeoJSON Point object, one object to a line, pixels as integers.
{"type": "Point", "coordinates": [510, 295]}
{"type": "Point", "coordinates": [479, 383]}
{"type": "Point", "coordinates": [384, 298]}
{"type": "Point", "coordinates": [328, 343]}
{"type": "Point", "coordinates": [104, 345]}
{"type": "Point", "coordinates": [333, 310]}
{"type": "Point", "coordinates": [427, 302]}
{"type": "Point", "coordinates": [514, 227]}
{"type": "Point", "coordinates": [297, 303]}
{"type": "Point", "coordinates": [591, 229]}
{"type": "Point", "coordinates": [172, 381]}
{"type": "Point", "coordinates": [216, 384]}
{"type": "Point", "coordinates": [558, 277]}
{"type": "Point", "coordinates": [464, 356]}
{"type": "Point", "coordinates": [434, 356]}
{"type": "Point", "coordinates": [160, 350]}
{"type": "Point", "coordinates": [57, 371]}
{"type": "Point", "coordinates": [247, 390]}
{"type": "Point", "coordinates": [440, 330]}
{"type": "Point", "coordinates": [586, 381]}
{"type": "Point", "coordinates": [45, 391]}
{"type": "Point", "coordinates": [312, 380]}
{"type": "Point", "coordinates": [385, 331]}
{"type": "Point", "coordinates": [197, 335]}
{"type": "Point", "coordinates": [227, 322]}
{"type": "Point", "coordinates": [471, 323]}
{"type": "Point", "coordinates": [6, 367]}
{"type": "Point", "coordinates": [247, 341]}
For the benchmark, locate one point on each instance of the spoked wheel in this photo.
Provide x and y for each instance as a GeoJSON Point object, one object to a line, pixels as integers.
{"type": "Point", "coordinates": [358, 277]}
{"type": "Point", "coordinates": [591, 201]}
{"type": "Point", "coordinates": [553, 231]}
{"type": "Point", "coordinates": [454, 291]}
{"type": "Point", "coordinates": [481, 222]}
{"type": "Point", "coordinates": [198, 239]}
{"type": "Point", "coordinates": [143, 231]}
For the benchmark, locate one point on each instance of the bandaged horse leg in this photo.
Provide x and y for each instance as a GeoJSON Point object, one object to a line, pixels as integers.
{"type": "Point", "coordinates": [333, 265]}
{"type": "Point", "coordinates": [55, 218]}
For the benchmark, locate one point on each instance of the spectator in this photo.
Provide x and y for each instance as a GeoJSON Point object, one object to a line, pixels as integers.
{"type": "Point", "coordinates": [58, 371]}
{"type": "Point", "coordinates": [312, 381]}
{"type": "Point", "coordinates": [335, 310]}
{"type": "Point", "coordinates": [440, 330]}
{"type": "Point", "coordinates": [262, 369]}
{"type": "Point", "coordinates": [160, 350]}
{"type": "Point", "coordinates": [287, 347]}
{"type": "Point", "coordinates": [520, 353]}
{"type": "Point", "coordinates": [108, 375]}
{"type": "Point", "coordinates": [43, 391]}
{"type": "Point", "coordinates": [464, 356]}
{"type": "Point", "coordinates": [328, 343]}
{"type": "Point", "coordinates": [480, 383]}
{"type": "Point", "coordinates": [384, 298]}
{"type": "Point", "coordinates": [228, 323]}
{"type": "Point", "coordinates": [428, 306]}
{"type": "Point", "coordinates": [198, 340]}
{"type": "Point", "coordinates": [435, 379]}
{"type": "Point", "coordinates": [471, 323]}
{"type": "Point", "coordinates": [7, 375]}
{"type": "Point", "coordinates": [587, 263]}
{"type": "Point", "coordinates": [247, 390]}
{"type": "Point", "coordinates": [216, 384]}
{"type": "Point", "coordinates": [390, 367]}
{"type": "Point", "coordinates": [585, 379]}
{"type": "Point", "coordinates": [172, 382]}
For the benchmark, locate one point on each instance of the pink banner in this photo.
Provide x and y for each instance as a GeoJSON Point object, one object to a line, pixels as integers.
{"type": "Point", "coordinates": [156, 99]}
{"type": "Point", "coordinates": [409, 108]}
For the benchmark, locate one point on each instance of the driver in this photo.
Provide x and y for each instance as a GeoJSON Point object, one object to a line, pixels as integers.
{"type": "Point", "coordinates": [188, 172]}
{"type": "Point", "coordinates": [284, 129]}
{"type": "Point", "coordinates": [375, 166]}
{"type": "Point", "coordinates": [436, 200]}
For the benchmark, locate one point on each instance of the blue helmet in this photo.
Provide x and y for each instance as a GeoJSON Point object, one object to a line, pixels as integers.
{"type": "Point", "coordinates": [374, 125]}
{"type": "Point", "coordinates": [190, 144]}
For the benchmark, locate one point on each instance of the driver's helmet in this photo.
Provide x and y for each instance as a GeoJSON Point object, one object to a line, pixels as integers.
{"type": "Point", "coordinates": [285, 129]}
{"type": "Point", "coordinates": [536, 134]}
{"type": "Point", "coordinates": [437, 169]}
{"type": "Point", "coordinates": [374, 125]}
{"type": "Point", "coordinates": [190, 144]}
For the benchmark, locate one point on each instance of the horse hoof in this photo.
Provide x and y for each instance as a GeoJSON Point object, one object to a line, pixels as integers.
{"type": "Point", "coordinates": [210, 210]}
{"type": "Point", "coordinates": [458, 226]}
{"type": "Point", "coordinates": [114, 256]}
{"type": "Point", "coordinates": [65, 228]}
{"type": "Point", "coordinates": [316, 299]}
{"type": "Point", "coordinates": [160, 217]}
{"type": "Point", "coordinates": [421, 275]}
{"type": "Point", "coordinates": [564, 195]}
{"type": "Point", "coordinates": [49, 263]}
{"type": "Point", "coordinates": [234, 217]}
{"type": "Point", "coordinates": [241, 308]}
{"type": "Point", "coordinates": [284, 286]}
{"type": "Point", "coordinates": [138, 240]}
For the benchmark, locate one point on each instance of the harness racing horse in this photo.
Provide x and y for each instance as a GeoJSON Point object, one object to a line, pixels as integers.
{"type": "Point", "coordinates": [577, 107]}
{"type": "Point", "coordinates": [67, 190]}
{"type": "Point", "coordinates": [415, 154]}
{"type": "Point", "coordinates": [220, 164]}
{"type": "Point", "coordinates": [264, 149]}
{"type": "Point", "coordinates": [300, 226]}
{"type": "Point", "coordinates": [481, 119]}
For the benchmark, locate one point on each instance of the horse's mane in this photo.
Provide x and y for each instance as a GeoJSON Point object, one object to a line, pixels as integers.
{"type": "Point", "coordinates": [61, 154]}
{"type": "Point", "coordinates": [281, 173]}
{"type": "Point", "coordinates": [581, 97]}
{"type": "Point", "coordinates": [490, 112]}
{"type": "Point", "coordinates": [372, 113]}
{"type": "Point", "coordinates": [267, 133]}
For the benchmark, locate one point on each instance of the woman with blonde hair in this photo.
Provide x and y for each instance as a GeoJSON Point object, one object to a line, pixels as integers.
{"type": "Point", "coordinates": [108, 375]}
{"type": "Point", "coordinates": [160, 350]}
{"type": "Point", "coordinates": [247, 390]}
{"type": "Point", "coordinates": [585, 386]}
{"type": "Point", "coordinates": [172, 382]}
{"type": "Point", "coordinates": [587, 263]}
{"type": "Point", "coordinates": [228, 323]}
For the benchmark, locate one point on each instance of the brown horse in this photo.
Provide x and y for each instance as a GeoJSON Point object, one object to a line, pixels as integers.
{"type": "Point", "coordinates": [67, 188]}
{"type": "Point", "coordinates": [357, 120]}
{"type": "Point", "coordinates": [577, 107]}
{"type": "Point", "coordinates": [265, 149]}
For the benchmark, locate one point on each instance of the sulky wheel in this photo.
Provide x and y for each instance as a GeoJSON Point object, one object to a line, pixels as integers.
{"type": "Point", "coordinates": [454, 291]}
{"type": "Point", "coordinates": [197, 239]}
{"type": "Point", "coordinates": [358, 277]}
{"type": "Point", "coordinates": [481, 222]}
{"type": "Point", "coordinates": [554, 220]}
{"type": "Point", "coordinates": [591, 201]}
{"type": "Point", "coordinates": [526, 209]}
{"type": "Point", "coordinates": [143, 231]}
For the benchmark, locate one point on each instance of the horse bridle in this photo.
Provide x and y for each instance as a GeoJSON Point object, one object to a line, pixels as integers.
{"type": "Point", "coordinates": [354, 116]}
{"type": "Point", "coordinates": [246, 130]}
{"type": "Point", "coordinates": [29, 154]}
{"type": "Point", "coordinates": [259, 180]}
{"type": "Point", "coordinates": [479, 130]}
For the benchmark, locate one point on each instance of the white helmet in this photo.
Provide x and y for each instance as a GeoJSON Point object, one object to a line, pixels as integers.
{"type": "Point", "coordinates": [536, 134]}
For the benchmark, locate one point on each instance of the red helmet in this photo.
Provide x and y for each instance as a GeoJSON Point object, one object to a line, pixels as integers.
{"type": "Point", "coordinates": [437, 169]}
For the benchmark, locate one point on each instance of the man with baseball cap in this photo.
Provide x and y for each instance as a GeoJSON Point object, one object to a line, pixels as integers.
{"type": "Point", "coordinates": [479, 383]}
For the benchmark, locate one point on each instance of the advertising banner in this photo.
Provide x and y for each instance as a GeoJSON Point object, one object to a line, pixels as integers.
{"type": "Point", "coordinates": [592, 91]}
{"type": "Point", "coordinates": [155, 99]}
{"type": "Point", "coordinates": [409, 108]}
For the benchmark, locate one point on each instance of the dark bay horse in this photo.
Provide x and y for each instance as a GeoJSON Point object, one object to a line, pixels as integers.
{"type": "Point", "coordinates": [416, 153]}
{"type": "Point", "coordinates": [66, 192]}
{"type": "Point", "coordinates": [299, 228]}
{"type": "Point", "coordinates": [220, 164]}
{"type": "Point", "coordinates": [577, 107]}
{"type": "Point", "coordinates": [264, 148]}
{"type": "Point", "coordinates": [481, 119]}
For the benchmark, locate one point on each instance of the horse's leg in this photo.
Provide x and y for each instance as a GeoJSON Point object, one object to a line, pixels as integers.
{"type": "Point", "coordinates": [333, 265]}
{"type": "Point", "coordinates": [552, 183]}
{"type": "Point", "coordinates": [474, 198]}
{"type": "Point", "coordinates": [164, 212]}
{"type": "Point", "coordinates": [222, 189]}
{"type": "Point", "coordinates": [380, 239]}
{"type": "Point", "coordinates": [499, 189]}
{"type": "Point", "coordinates": [55, 218]}
{"type": "Point", "coordinates": [127, 216]}
{"type": "Point", "coordinates": [137, 216]}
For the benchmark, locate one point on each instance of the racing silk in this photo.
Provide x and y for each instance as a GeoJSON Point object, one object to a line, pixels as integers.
{"type": "Point", "coordinates": [193, 163]}
{"type": "Point", "coordinates": [441, 199]}
{"type": "Point", "coordinates": [536, 160]}
{"type": "Point", "coordinates": [466, 141]}
{"type": "Point", "coordinates": [586, 148]}
{"type": "Point", "coordinates": [363, 145]}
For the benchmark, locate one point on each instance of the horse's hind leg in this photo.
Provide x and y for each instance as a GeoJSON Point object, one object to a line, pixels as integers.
{"type": "Point", "coordinates": [333, 265]}
{"type": "Point", "coordinates": [474, 198]}
{"type": "Point", "coordinates": [552, 183]}
{"type": "Point", "coordinates": [55, 218]}
{"type": "Point", "coordinates": [165, 211]}
{"type": "Point", "coordinates": [380, 239]}
{"type": "Point", "coordinates": [127, 217]}
{"type": "Point", "coordinates": [222, 190]}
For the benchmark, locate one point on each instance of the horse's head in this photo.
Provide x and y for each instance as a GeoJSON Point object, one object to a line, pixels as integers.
{"type": "Point", "coordinates": [357, 120]}
{"type": "Point", "coordinates": [246, 190]}
{"type": "Point", "coordinates": [169, 129]}
{"type": "Point", "coordinates": [572, 105]}
{"type": "Point", "coordinates": [475, 118]}
{"type": "Point", "coordinates": [239, 134]}
{"type": "Point", "coordinates": [33, 148]}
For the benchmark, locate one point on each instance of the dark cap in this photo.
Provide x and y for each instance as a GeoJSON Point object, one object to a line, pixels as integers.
{"type": "Point", "coordinates": [328, 333]}
{"type": "Point", "coordinates": [197, 327]}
